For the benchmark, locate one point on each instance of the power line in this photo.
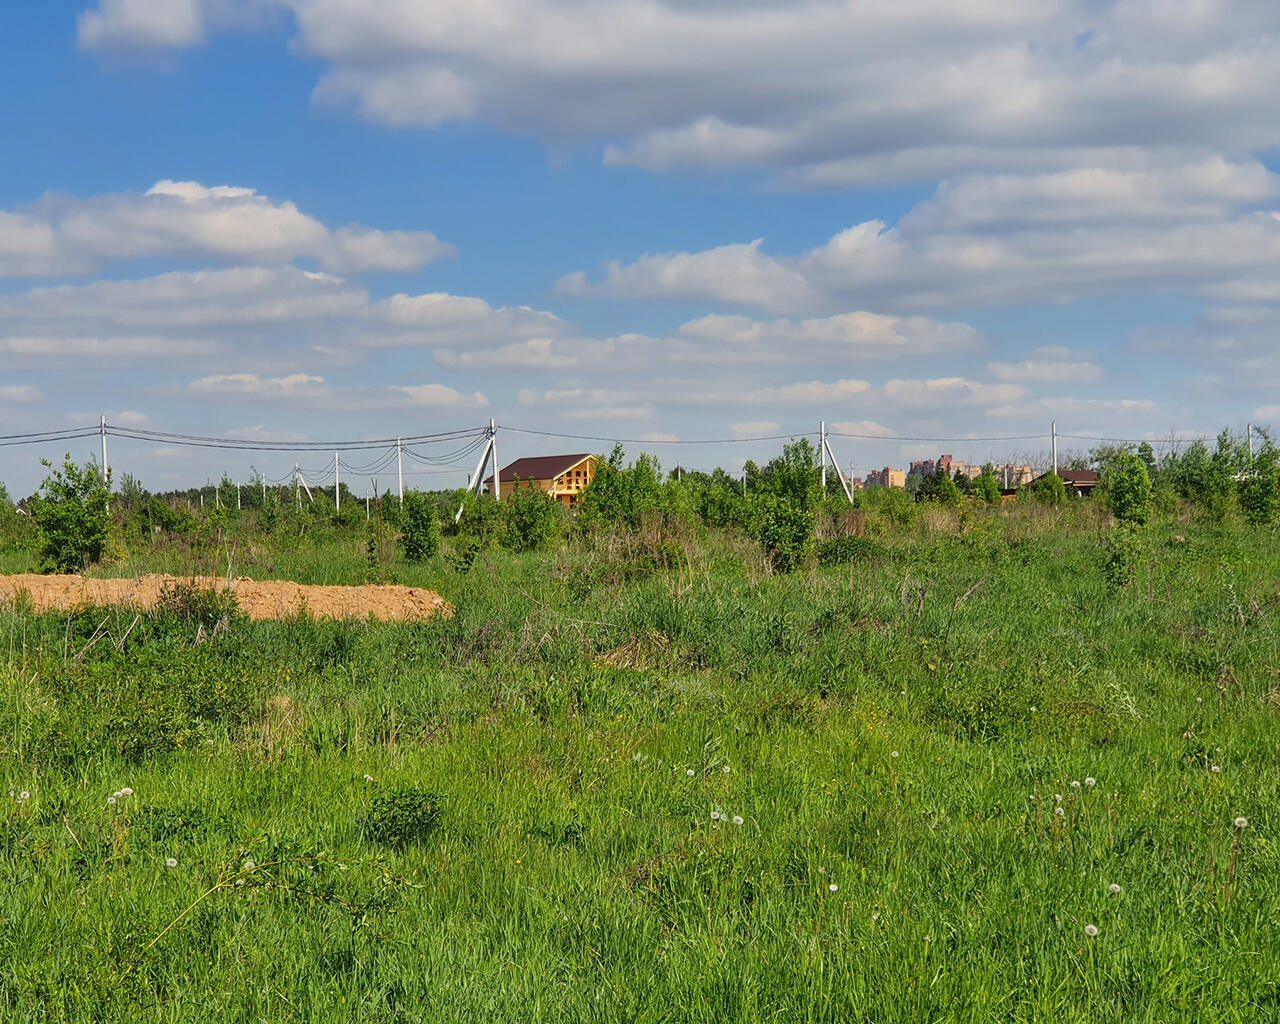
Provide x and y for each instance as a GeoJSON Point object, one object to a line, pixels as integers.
{"type": "Point", "coordinates": [244, 444]}
{"type": "Point", "coordinates": [939, 440]}
{"type": "Point", "coordinates": [668, 440]}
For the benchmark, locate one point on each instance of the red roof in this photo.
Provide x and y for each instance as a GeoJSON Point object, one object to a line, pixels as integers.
{"type": "Point", "coordinates": [539, 467]}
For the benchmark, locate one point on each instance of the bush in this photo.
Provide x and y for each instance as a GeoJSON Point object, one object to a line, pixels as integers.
{"type": "Point", "coordinates": [1126, 485]}
{"type": "Point", "coordinates": [406, 816]}
{"type": "Point", "coordinates": [72, 517]}
{"type": "Point", "coordinates": [841, 550]}
{"type": "Point", "coordinates": [531, 518]}
{"type": "Point", "coordinates": [1260, 488]}
{"type": "Point", "coordinates": [986, 487]}
{"type": "Point", "coordinates": [420, 530]}
{"type": "Point", "coordinates": [1049, 490]}
{"type": "Point", "coordinates": [1121, 560]}
{"type": "Point", "coordinates": [784, 528]}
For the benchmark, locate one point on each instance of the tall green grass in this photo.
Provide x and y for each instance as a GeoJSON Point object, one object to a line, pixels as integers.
{"type": "Point", "coordinates": [894, 733]}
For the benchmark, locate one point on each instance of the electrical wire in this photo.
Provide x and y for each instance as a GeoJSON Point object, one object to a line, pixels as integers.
{"type": "Point", "coordinates": [645, 440]}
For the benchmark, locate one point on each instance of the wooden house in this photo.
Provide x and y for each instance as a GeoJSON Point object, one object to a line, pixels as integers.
{"type": "Point", "coordinates": [563, 477]}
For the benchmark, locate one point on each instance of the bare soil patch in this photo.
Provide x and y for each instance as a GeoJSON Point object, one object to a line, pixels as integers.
{"type": "Point", "coordinates": [259, 599]}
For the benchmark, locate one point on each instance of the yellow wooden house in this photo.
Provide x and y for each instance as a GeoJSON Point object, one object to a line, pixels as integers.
{"type": "Point", "coordinates": [564, 477]}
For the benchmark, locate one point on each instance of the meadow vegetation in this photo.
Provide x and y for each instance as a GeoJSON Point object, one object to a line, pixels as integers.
{"type": "Point", "coordinates": [687, 756]}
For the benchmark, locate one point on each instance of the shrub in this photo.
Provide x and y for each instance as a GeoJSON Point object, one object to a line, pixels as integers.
{"type": "Point", "coordinates": [1260, 488]}
{"type": "Point", "coordinates": [406, 816]}
{"type": "Point", "coordinates": [784, 528]}
{"type": "Point", "coordinates": [840, 550]}
{"type": "Point", "coordinates": [1126, 485]}
{"type": "Point", "coordinates": [420, 529]}
{"type": "Point", "coordinates": [1049, 490]}
{"type": "Point", "coordinates": [72, 517]}
{"type": "Point", "coordinates": [530, 518]}
{"type": "Point", "coordinates": [1121, 560]}
{"type": "Point", "coordinates": [986, 487]}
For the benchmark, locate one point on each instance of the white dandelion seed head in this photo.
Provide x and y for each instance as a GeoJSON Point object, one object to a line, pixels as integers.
{"type": "Point", "coordinates": [1241, 822]}
{"type": "Point", "coordinates": [1091, 930]}
{"type": "Point", "coordinates": [1075, 784]}
{"type": "Point", "coordinates": [893, 753]}
{"type": "Point", "coordinates": [726, 769]}
{"type": "Point", "coordinates": [249, 865]}
{"type": "Point", "coordinates": [689, 772]}
{"type": "Point", "coordinates": [1199, 700]}
{"type": "Point", "coordinates": [118, 793]}
{"type": "Point", "coordinates": [1057, 797]}
{"type": "Point", "coordinates": [1033, 709]}
{"type": "Point", "coordinates": [239, 882]}
{"type": "Point", "coordinates": [368, 778]}
{"type": "Point", "coordinates": [1216, 769]}
{"type": "Point", "coordinates": [110, 800]}
{"type": "Point", "coordinates": [1091, 782]}
{"type": "Point", "coordinates": [126, 791]}
{"type": "Point", "coordinates": [1115, 889]}
{"type": "Point", "coordinates": [833, 887]}
{"type": "Point", "coordinates": [24, 795]}
{"type": "Point", "coordinates": [1059, 812]}
{"type": "Point", "coordinates": [171, 862]}
{"type": "Point", "coordinates": [737, 819]}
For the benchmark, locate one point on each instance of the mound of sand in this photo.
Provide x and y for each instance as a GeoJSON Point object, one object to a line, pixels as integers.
{"type": "Point", "coordinates": [267, 599]}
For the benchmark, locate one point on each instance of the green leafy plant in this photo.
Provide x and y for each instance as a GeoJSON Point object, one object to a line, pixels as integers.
{"type": "Point", "coordinates": [72, 517]}
{"type": "Point", "coordinates": [1126, 485]}
{"type": "Point", "coordinates": [407, 816]}
{"type": "Point", "coordinates": [1049, 490]}
{"type": "Point", "coordinates": [531, 518]}
{"type": "Point", "coordinates": [420, 529]}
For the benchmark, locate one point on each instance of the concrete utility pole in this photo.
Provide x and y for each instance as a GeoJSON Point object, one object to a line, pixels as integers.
{"type": "Point", "coordinates": [337, 491]}
{"type": "Point", "coordinates": [102, 427]}
{"type": "Point", "coordinates": [1249, 431]}
{"type": "Point", "coordinates": [822, 451]}
{"type": "Point", "coordinates": [493, 448]}
{"type": "Point", "coordinates": [1053, 429]}
{"type": "Point", "coordinates": [400, 467]}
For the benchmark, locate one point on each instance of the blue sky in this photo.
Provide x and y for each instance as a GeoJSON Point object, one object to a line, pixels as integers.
{"type": "Point", "coordinates": [661, 219]}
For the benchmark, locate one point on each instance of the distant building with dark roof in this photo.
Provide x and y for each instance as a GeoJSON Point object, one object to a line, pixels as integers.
{"type": "Point", "coordinates": [1079, 482]}
{"type": "Point", "coordinates": [563, 477]}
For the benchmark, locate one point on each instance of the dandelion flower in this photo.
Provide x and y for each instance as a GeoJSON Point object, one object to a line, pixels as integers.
{"type": "Point", "coordinates": [1216, 769]}
{"type": "Point", "coordinates": [1241, 822]}
{"type": "Point", "coordinates": [833, 887]}
{"type": "Point", "coordinates": [24, 795]}
{"type": "Point", "coordinates": [1115, 889]}
{"type": "Point", "coordinates": [249, 865]}
{"type": "Point", "coordinates": [726, 769]}
{"type": "Point", "coordinates": [111, 800]}
{"type": "Point", "coordinates": [689, 772]}
{"type": "Point", "coordinates": [737, 819]}
{"type": "Point", "coordinates": [118, 793]}
{"type": "Point", "coordinates": [1059, 812]}
{"type": "Point", "coordinates": [1199, 700]}
{"type": "Point", "coordinates": [1057, 797]}
{"type": "Point", "coordinates": [368, 778]}
{"type": "Point", "coordinates": [126, 791]}
{"type": "Point", "coordinates": [1091, 930]}
{"type": "Point", "coordinates": [1091, 782]}
{"type": "Point", "coordinates": [171, 862]}
{"type": "Point", "coordinates": [893, 754]}
{"type": "Point", "coordinates": [1075, 784]}
{"type": "Point", "coordinates": [239, 882]}
{"type": "Point", "coordinates": [1033, 709]}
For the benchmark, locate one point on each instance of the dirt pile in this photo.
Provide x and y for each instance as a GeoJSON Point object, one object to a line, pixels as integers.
{"type": "Point", "coordinates": [266, 599]}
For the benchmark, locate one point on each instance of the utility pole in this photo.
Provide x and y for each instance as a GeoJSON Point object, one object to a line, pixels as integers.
{"type": "Point", "coordinates": [493, 447]}
{"type": "Point", "coordinates": [239, 506]}
{"type": "Point", "coordinates": [1249, 431]}
{"type": "Point", "coordinates": [400, 467]}
{"type": "Point", "coordinates": [337, 491]}
{"type": "Point", "coordinates": [822, 452]}
{"type": "Point", "coordinates": [297, 474]}
{"type": "Point", "coordinates": [1053, 429]}
{"type": "Point", "coordinates": [102, 427]}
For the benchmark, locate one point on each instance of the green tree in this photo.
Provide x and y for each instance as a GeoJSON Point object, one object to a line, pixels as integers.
{"type": "Point", "coordinates": [1260, 487]}
{"type": "Point", "coordinates": [1126, 487]}
{"type": "Point", "coordinates": [1049, 489]}
{"type": "Point", "coordinates": [71, 516]}
{"type": "Point", "coordinates": [986, 486]}
{"type": "Point", "coordinates": [531, 518]}
{"type": "Point", "coordinates": [938, 486]}
{"type": "Point", "coordinates": [420, 528]}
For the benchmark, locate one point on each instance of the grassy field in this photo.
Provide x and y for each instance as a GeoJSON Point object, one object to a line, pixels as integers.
{"type": "Point", "coordinates": [665, 788]}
